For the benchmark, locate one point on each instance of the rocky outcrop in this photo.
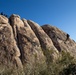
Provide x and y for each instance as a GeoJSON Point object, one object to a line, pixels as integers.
{"type": "Point", "coordinates": [61, 40]}
{"type": "Point", "coordinates": [46, 43]}
{"type": "Point", "coordinates": [27, 48]}
{"type": "Point", "coordinates": [15, 23]}
{"type": "Point", "coordinates": [28, 44]}
{"type": "Point", "coordinates": [3, 19]}
{"type": "Point", "coordinates": [9, 52]}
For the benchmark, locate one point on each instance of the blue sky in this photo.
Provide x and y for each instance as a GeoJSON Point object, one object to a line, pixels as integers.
{"type": "Point", "coordinates": [60, 13]}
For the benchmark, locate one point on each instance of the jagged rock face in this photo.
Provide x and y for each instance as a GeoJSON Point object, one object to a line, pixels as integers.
{"type": "Point", "coordinates": [45, 41]}
{"type": "Point", "coordinates": [60, 39]}
{"type": "Point", "coordinates": [9, 52]}
{"type": "Point", "coordinates": [27, 48]}
{"type": "Point", "coordinates": [28, 44]}
{"type": "Point", "coordinates": [16, 22]}
{"type": "Point", "coordinates": [3, 19]}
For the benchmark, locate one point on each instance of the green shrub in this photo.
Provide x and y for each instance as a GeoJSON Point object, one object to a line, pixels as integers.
{"type": "Point", "coordinates": [59, 67]}
{"type": "Point", "coordinates": [64, 65]}
{"type": "Point", "coordinates": [70, 70]}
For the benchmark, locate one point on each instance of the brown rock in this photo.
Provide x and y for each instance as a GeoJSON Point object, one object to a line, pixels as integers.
{"type": "Point", "coordinates": [27, 48]}
{"type": "Point", "coordinates": [3, 19]}
{"type": "Point", "coordinates": [46, 43]}
{"type": "Point", "coordinates": [15, 22]}
{"type": "Point", "coordinates": [31, 53]}
{"type": "Point", "coordinates": [9, 52]}
{"type": "Point", "coordinates": [61, 40]}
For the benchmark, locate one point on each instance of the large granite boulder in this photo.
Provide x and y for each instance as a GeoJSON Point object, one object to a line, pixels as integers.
{"type": "Point", "coordinates": [32, 56]}
{"type": "Point", "coordinates": [61, 40]}
{"type": "Point", "coordinates": [27, 48]}
{"type": "Point", "coordinates": [3, 19]}
{"type": "Point", "coordinates": [48, 48]}
{"type": "Point", "coordinates": [9, 52]}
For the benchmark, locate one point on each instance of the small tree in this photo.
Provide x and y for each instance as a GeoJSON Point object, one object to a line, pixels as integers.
{"type": "Point", "coordinates": [1, 13]}
{"type": "Point", "coordinates": [70, 70]}
{"type": "Point", "coordinates": [4, 14]}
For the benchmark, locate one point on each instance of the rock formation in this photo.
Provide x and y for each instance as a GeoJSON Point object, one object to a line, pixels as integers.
{"type": "Point", "coordinates": [28, 44]}
{"type": "Point", "coordinates": [60, 39]}
{"type": "Point", "coordinates": [46, 43]}
{"type": "Point", "coordinates": [9, 51]}
{"type": "Point", "coordinates": [28, 48]}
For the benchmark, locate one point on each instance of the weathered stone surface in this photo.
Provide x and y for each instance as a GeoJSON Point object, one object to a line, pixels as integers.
{"type": "Point", "coordinates": [46, 43]}
{"type": "Point", "coordinates": [60, 39]}
{"type": "Point", "coordinates": [15, 22]}
{"type": "Point", "coordinates": [32, 45]}
{"type": "Point", "coordinates": [27, 49]}
{"type": "Point", "coordinates": [3, 19]}
{"type": "Point", "coordinates": [9, 52]}
{"type": "Point", "coordinates": [31, 53]}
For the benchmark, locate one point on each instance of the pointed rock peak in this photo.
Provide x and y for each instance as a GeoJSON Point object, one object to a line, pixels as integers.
{"type": "Point", "coordinates": [16, 21]}
{"type": "Point", "coordinates": [3, 19]}
{"type": "Point", "coordinates": [14, 15]}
